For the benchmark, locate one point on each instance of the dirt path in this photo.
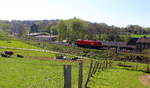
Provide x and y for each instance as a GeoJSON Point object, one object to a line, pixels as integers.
{"type": "Point", "coordinates": [145, 80]}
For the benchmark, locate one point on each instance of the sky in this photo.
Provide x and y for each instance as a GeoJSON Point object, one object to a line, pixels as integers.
{"type": "Point", "coordinates": [112, 12]}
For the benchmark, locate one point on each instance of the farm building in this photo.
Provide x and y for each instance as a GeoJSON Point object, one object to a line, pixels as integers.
{"type": "Point", "coordinates": [35, 34]}
{"type": "Point", "coordinates": [45, 38]}
{"type": "Point", "coordinates": [41, 37]}
{"type": "Point", "coordinates": [143, 43]}
{"type": "Point", "coordinates": [140, 43]}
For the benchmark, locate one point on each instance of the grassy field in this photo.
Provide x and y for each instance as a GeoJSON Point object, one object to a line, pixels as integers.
{"type": "Point", "coordinates": [28, 53]}
{"type": "Point", "coordinates": [137, 36]}
{"type": "Point", "coordinates": [117, 78]}
{"type": "Point", "coordinates": [90, 53]}
{"type": "Point", "coordinates": [16, 44]}
{"type": "Point", "coordinates": [32, 73]}
{"type": "Point", "coordinates": [36, 73]}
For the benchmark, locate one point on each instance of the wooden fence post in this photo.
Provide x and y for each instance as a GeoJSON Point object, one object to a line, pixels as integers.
{"type": "Point", "coordinates": [100, 66]}
{"type": "Point", "coordinates": [148, 69]}
{"type": "Point", "coordinates": [94, 68]}
{"type": "Point", "coordinates": [103, 65]}
{"type": "Point", "coordinates": [67, 76]}
{"type": "Point", "coordinates": [106, 64]}
{"type": "Point", "coordinates": [111, 63]}
{"type": "Point", "coordinates": [80, 79]}
{"type": "Point", "coordinates": [89, 74]}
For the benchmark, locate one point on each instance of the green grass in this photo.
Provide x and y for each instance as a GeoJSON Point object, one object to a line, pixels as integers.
{"type": "Point", "coordinates": [28, 53]}
{"type": "Point", "coordinates": [33, 73]}
{"type": "Point", "coordinates": [27, 73]}
{"type": "Point", "coordinates": [117, 78]}
{"type": "Point", "coordinates": [16, 44]}
{"type": "Point", "coordinates": [90, 53]}
{"type": "Point", "coordinates": [137, 36]}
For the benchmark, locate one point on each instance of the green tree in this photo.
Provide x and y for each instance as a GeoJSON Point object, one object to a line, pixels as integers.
{"type": "Point", "coordinates": [3, 35]}
{"type": "Point", "coordinates": [71, 30]}
{"type": "Point", "coordinates": [62, 30]}
{"type": "Point", "coordinates": [77, 29]}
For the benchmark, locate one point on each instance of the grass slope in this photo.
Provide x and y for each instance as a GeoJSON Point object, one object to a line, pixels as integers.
{"type": "Point", "coordinates": [117, 78]}
{"type": "Point", "coordinates": [31, 73]}
{"type": "Point", "coordinates": [34, 73]}
{"type": "Point", "coordinates": [138, 36]}
{"type": "Point", "coordinates": [16, 44]}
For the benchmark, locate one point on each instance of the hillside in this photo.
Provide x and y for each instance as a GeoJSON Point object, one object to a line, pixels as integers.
{"type": "Point", "coordinates": [40, 70]}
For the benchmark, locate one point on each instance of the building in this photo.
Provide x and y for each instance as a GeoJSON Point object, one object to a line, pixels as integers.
{"type": "Point", "coordinates": [45, 38]}
{"type": "Point", "coordinates": [143, 43]}
{"type": "Point", "coordinates": [41, 37]}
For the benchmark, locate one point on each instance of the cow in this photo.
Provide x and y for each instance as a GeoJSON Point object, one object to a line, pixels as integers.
{"type": "Point", "coordinates": [7, 53]}
{"type": "Point", "coordinates": [75, 58]}
{"type": "Point", "coordinates": [20, 56]}
{"type": "Point", "coordinates": [10, 53]}
{"type": "Point", "coordinates": [4, 55]}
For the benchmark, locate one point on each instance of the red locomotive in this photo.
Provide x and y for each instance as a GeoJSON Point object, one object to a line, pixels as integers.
{"type": "Point", "coordinates": [88, 43]}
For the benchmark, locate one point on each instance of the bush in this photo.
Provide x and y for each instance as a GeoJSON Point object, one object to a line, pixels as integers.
{"type": "Point", "coordinates": [3, 36]}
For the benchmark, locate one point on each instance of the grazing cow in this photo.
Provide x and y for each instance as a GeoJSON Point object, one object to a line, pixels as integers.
{"type": "Point", "coordinates": [20, 56]}
{"type": "Point", "coordinates": [75, 58]}
{"type": "Point", "coordinates": [4, 55]}
{"type": "Point", "coordinates": [8, 53]}
{"type": "Point", "coordinates": [60, 57]}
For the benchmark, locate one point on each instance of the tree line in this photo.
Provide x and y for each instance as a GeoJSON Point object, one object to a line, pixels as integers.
{"type": "Point", "coordinates": [74, 29]}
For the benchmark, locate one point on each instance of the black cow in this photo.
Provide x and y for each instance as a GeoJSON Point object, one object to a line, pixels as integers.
{"type": "Point", "coordinates": [20, 56]}
{"type": "Point", "coordinates": [75, 58]}
{"type": "Point", "coordinates": [4, 55]}
{"type": "Point", "coordinates": [10, 53]}
{"type": "Point", "coordinates": [7, 54]}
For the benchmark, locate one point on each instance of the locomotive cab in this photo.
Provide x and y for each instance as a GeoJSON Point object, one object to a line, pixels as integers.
{"type": "Point", "coordinates": [88, 44]}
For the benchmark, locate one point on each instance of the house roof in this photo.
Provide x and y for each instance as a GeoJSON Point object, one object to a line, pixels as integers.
{"type": "Point", "coordinates": [45, 36]}
{"type": "Point", "coordinates": [143, 40]}
{"type": "Point", "coordinates": [33, 34]}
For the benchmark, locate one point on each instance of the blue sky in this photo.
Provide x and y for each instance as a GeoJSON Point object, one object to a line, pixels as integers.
{"type": "Point", "coordinates": [111, 12]}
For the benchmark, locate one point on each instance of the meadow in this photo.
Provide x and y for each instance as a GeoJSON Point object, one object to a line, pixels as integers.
{"type": "Point", "coordinates": [32, 72]}
{"type": "Point", "coordinates": [138, 36]}
{"type": "Point", "coordinates": [16, 44]}
{"type": "Point", "coordinates": [117, 78]}
{"type": "Point", "coordinates": [36, 70]}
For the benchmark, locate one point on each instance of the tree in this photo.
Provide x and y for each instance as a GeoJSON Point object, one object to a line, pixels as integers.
{"type": "Point", "coordinates": [52, 30]}
{"type": "Point", "coordinates": [34, 28]}
{"type": "Point", "coordinates": [71, 30]}
{"type": "Point", "coordinates": [113, 37]}
{"type": "Point", "coordinates": [22, 31]}
{"type": "Point", "coordinates": [62, 30]}
{"type": "Point", "coordinates": [77, 29]}
{"type": "Point", "coordinates": [3, 35]}
{"type": "Point", "coordinates": [147, 30]}
{"type": "Point", "coordinates": [135, 29]}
